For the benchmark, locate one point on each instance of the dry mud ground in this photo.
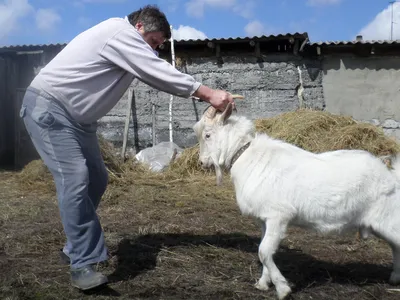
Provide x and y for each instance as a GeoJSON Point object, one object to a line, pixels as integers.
{"type": "Point", "coordinates": [178, 239]}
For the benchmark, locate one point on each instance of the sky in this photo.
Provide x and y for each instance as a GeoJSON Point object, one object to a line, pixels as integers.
{"type": "Point", "coordinates": [25, 22]}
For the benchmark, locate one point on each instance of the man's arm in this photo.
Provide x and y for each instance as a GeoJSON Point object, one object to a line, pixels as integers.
{"type": "Point", "coordinates": [129, 51]}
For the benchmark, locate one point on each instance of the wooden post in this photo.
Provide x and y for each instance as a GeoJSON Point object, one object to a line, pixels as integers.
{"type": "Point", "coordinates": [171, 100]}
{"type": "Point", "coordinates": [153, 115]}
{"type": "Point", "coordinates": [126, 129]}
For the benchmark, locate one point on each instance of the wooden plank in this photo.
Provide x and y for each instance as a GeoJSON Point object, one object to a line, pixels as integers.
{"type": "Point", "coordinates": [3, 125]}
{"type": "Point", "coordinates": [7, 107]}
{"type": "Point", "coordinates": [127, 119]}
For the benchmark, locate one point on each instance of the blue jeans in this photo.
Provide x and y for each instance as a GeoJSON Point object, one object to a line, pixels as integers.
{"type": "Point", "coordinates": [72, 154]}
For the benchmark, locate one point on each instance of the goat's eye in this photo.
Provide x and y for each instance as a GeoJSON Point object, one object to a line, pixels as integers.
{"type": "Point", "coordinates": [207, 135]}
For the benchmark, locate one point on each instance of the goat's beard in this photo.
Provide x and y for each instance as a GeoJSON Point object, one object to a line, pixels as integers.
{"type": "Point", "coordinates": [218, 171]}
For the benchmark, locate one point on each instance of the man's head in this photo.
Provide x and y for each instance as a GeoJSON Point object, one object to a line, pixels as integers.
{"type": "Point", "coordinates": [152, 25]}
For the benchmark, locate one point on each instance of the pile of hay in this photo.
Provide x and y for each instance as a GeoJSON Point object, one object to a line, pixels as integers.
{"type": "Point", "coordinates": [315, 131]}
{"type": "Point", "coordinates": [319, 131]}
{"type": "Point", "coordinates": [187, 163]}
{"type": "Point", "coordinates": [36, 176]}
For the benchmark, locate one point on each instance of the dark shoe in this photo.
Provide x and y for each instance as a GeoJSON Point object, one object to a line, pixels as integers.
{"type": "Point", "coordinates": [64, 258]}
{"type": "Point", "coordinates": [87, 278]}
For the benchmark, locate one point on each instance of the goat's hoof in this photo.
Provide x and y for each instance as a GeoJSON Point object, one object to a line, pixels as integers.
{"type": "Point", "coordinates": [261, 286]}
{"type": "Point", "coordinates": [394, 278]}
{"type": "Point", "coordinates": [283, 291]}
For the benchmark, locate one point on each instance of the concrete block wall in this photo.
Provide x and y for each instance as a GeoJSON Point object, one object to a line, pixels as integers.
{"type": "Point", "coordinates": [365, 88]}
{"type": "Point", "coordinates": [279, 84]}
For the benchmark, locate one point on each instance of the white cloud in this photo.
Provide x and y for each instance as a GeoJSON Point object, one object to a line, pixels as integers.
{"type": "Point", "coordinates": [10, 12]}
{"type": "Point", "coordinates": [255, 28]}
{"type": "Point", "coordinates": [195, 8]}
{"type": "Point", "coordinates": [322, 2]}
{"type": "Point", "coordinates": [47, 19]}
{"type": "Point", "coordinates": [380, 27]}
{"type": "Point", "coordinates": [187, 33]}
{"type": "Point", "coordinates": [245, 9]}
{"type": "Point", "coordinates": [172, 5]}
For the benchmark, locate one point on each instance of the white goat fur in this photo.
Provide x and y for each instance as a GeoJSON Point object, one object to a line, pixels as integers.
{"type": "Point", "coordinates": [281, 185]}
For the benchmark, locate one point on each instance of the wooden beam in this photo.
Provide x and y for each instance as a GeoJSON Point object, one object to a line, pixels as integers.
{"type": "Point", "coordinates": [296, 47]}
{"type": "Point", "coordinates": [257, 52]}
{"type": "Point", "coordinates": [220, 61]}
{"type": "Point", "coordinates": [127, 119]}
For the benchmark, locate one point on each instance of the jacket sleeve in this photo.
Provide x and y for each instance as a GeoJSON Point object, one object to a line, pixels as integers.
{"type": "Point", "coordinates": [128, 50]}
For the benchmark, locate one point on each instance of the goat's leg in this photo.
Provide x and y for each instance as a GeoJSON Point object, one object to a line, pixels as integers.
{"type": "Point", "coordinates": [391, 235]}
{"type": "Point", "coordinates": [395, 276]}
{"type": "Point", "coordinates": [265, 280]}
{"type": "Point", "coordinates": [275, 231]}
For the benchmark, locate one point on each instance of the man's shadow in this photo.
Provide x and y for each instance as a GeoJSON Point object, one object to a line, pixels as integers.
{"type": "Point", "coordinates": [136, 255]}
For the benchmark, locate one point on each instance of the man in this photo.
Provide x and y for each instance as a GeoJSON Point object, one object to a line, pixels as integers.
{"type": "Point", "coordinates": [63, 103]}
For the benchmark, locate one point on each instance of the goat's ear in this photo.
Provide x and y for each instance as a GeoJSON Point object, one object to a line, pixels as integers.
{"type": "Point", "coordinates": [197, 129]}
{"type": "Point", "coordinates": [226, 114]}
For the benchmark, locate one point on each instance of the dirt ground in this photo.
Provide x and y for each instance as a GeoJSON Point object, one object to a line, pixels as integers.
{"type": "Point", "coordinates": [191, 244]}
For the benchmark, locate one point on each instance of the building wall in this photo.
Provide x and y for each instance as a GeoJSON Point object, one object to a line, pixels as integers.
{"type": "Point", "coordinates": [17, 69]}
{"type": "Point", "coordinates": [368, 89]}
{"type": "Point", "coordinates": [7, 118]}
{"type": "Point", "coordinates": [365, 88]}
{"type": "Point", "coordinates": [3, 121]}
{"type": "Point", "coordinates": [270, 88]}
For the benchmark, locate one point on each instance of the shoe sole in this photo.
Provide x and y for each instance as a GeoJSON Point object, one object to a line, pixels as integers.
{"type": "Point", "coordinates": [100, 282]}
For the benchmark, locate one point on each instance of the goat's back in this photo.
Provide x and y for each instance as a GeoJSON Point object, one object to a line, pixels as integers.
{"type": "Point", "coordinates": [326, 191]}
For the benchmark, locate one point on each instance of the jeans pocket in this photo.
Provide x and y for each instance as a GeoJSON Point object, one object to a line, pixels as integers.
{"type": "Point", "coordinates": [22, 111]}
{"type": "Point", "coordinates": [46, 119]}
{"type": "Point", "coordinates": [43, 117]}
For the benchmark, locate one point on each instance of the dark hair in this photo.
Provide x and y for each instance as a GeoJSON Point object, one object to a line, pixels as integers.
{"type": "Point", "coordinates": [152, 19]}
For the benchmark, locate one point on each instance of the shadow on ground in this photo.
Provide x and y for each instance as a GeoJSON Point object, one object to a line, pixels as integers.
{"type": "Point", "coordinates": [137, 255]}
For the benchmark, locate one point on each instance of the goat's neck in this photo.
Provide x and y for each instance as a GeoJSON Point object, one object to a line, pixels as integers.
{"type": "Point", "coordinates": [235, 142]}
{"type": "Point", "coordinates": [237, 154]}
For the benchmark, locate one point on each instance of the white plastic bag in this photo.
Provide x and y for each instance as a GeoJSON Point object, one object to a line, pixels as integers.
{"type": "Point", "coordinates": [159, 156]}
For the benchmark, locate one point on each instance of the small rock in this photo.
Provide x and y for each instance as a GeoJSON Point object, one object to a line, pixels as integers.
{"type": "Point", "coordinates": [389, 123]}
{"type": "Point", "coordinates": [375, 122]}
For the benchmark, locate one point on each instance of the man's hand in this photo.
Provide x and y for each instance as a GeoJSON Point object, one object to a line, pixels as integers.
{"type": "Point", "coordinates": [220, 99]}
{"type": "Point", "coordinates": [217, 98]}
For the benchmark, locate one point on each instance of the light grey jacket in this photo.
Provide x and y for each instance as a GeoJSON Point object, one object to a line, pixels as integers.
{"type": "Point", "coordinates": [94, 70]}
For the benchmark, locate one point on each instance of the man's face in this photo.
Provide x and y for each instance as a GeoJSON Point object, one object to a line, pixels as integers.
{"type": "Point", "coordinates": [154, 39]}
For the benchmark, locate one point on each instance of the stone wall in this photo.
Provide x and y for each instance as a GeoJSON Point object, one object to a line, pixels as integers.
{"type": "Point", "coordinates": [279, 84]}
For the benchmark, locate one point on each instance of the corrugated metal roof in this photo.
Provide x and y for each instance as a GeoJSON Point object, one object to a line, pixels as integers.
{"type": "Point", "coordinates": [181, 41]}
{"type": "Point", "coordinates": [303, 35]}
{"type": "Point", "coordinates": [296, 35]}
{"type": "Point", "coordinates": [356, 42]}
{"type": "Point", "coordinates": [38, 46]}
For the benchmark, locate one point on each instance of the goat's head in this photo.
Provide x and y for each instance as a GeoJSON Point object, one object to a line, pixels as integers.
{"type": "Point", "coordinates": [219, 137]}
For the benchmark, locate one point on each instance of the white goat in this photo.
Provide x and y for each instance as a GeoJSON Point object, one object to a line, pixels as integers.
{"type": "Point", "coordinates": [281, 185]}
